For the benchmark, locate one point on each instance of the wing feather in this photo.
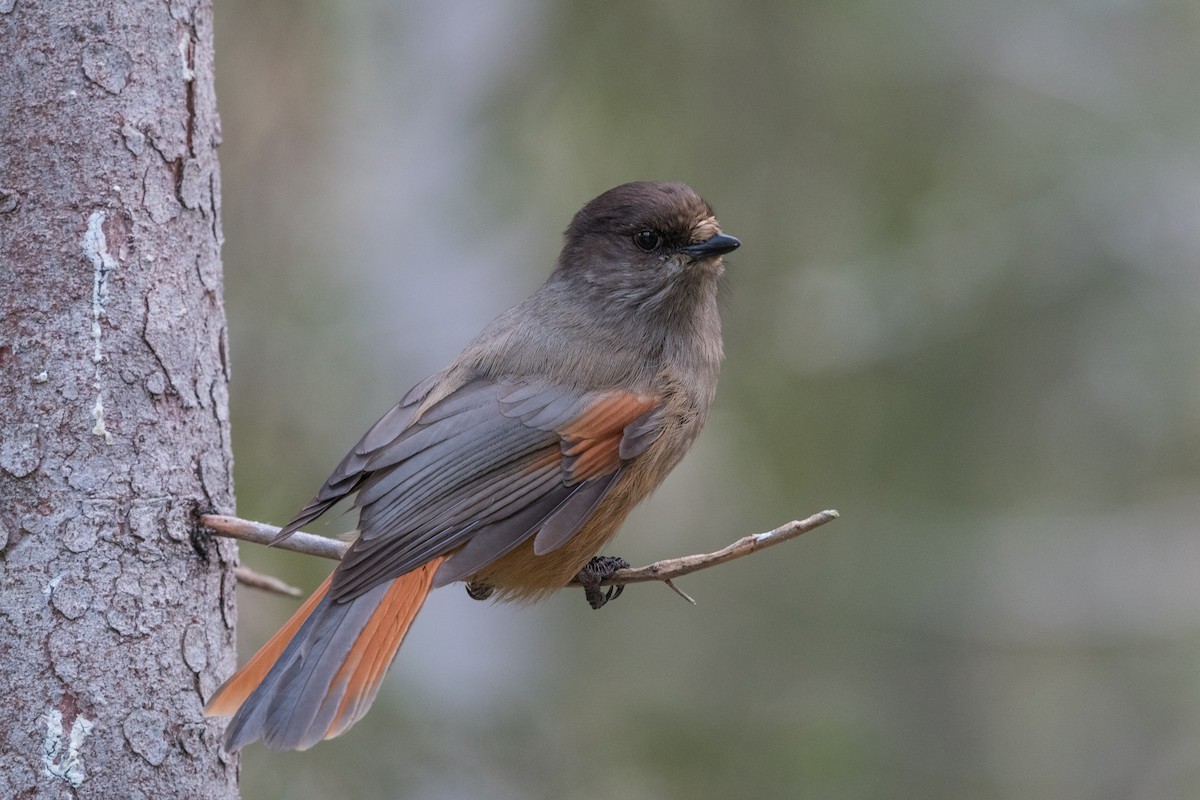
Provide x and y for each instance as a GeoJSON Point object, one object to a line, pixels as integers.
{"type": "Point", "coordinates": [477, 473]}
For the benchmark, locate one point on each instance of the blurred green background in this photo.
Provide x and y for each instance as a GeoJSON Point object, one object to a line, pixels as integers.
{"type": "Point", "coordinates": [965, 314]}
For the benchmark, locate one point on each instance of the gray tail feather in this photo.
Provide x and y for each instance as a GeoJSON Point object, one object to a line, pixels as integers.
{"type": "Point", "coordinates": [296, 702]}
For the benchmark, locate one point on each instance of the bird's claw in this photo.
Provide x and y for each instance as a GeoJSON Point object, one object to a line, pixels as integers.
{"type": "Point", "coordinates": [594, 573]}
{"type": "Point", "coordinates": [478, 590]}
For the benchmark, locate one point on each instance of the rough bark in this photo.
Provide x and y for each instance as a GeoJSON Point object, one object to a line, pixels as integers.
{"type": "Point", "coordinates": [116, 616]}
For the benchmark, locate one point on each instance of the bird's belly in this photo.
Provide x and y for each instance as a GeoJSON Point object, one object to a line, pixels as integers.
{"type": "Point", "coordinates": [522, 575]}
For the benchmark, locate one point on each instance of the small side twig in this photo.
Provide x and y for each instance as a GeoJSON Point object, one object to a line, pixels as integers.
{"type": "Point", "coordinates": [267, 583]}
{"type": "Point", "coordinates": [665, 570]}
{"type": "Point", "coordinates": [671, 585]}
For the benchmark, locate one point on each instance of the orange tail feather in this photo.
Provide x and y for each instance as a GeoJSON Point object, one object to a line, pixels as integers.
{"type": "Point", "coordinates": [233, 692]}
{"type": "Point", "coordinates": [367, 663]}
{"type": "Point", "coordinates": [351, 682]}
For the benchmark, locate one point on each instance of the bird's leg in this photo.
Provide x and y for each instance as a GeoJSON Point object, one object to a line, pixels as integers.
{"type": "Point", "coordinates": [594, 572]}
{"type": "Point", "coordinates": [478, 590]}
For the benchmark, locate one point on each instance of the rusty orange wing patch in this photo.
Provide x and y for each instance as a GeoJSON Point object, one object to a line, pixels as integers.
{"type": "Point", "coordinates": [592, 441]}
{"type": "Point", "coordinates": [595, 447]}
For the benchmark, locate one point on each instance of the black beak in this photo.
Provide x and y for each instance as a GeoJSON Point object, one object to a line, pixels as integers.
{"type": "Point", "coordinates": [718, 245]}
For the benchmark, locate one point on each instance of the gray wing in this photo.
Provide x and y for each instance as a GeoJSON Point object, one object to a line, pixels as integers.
{"type": "Point", "coordinates": [480, 472]}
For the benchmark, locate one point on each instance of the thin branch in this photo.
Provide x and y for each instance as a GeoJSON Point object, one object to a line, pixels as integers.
{"type": "Point", "coordinates": [670, 568]}
{"type": "Point", "coordinates": [665, 570]}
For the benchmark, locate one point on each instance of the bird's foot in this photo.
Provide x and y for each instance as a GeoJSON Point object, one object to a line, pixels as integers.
{"type": "Point", "coordinates": [477, 590]}
{"type": "Point", "coordinates": [596, 571]}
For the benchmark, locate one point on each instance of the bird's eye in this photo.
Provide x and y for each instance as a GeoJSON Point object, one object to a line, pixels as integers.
{"type": "Point", "coordinates": [647, 240]}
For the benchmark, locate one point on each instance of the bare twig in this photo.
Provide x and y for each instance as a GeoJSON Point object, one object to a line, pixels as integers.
{"type": "Point", "coordinates": [665, 570]}
{"type": "Point", "coordinates": [267, 583]}
{"type": "Point", "coordinates": [674, 567]}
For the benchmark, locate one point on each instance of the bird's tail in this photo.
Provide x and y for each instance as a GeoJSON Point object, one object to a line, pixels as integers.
{"type": "Point", "coordinates": [321, 671]}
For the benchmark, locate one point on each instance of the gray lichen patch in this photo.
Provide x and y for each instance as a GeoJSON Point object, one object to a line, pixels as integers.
{"type": "Point", "coordinates": [61, 757]}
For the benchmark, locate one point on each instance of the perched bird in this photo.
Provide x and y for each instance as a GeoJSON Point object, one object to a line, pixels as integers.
{"type": "Point", "coordinates": [513, 466]}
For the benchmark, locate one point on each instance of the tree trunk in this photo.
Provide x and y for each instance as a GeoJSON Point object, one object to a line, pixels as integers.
{"type": "Point", "coordinates": [116, 616]}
